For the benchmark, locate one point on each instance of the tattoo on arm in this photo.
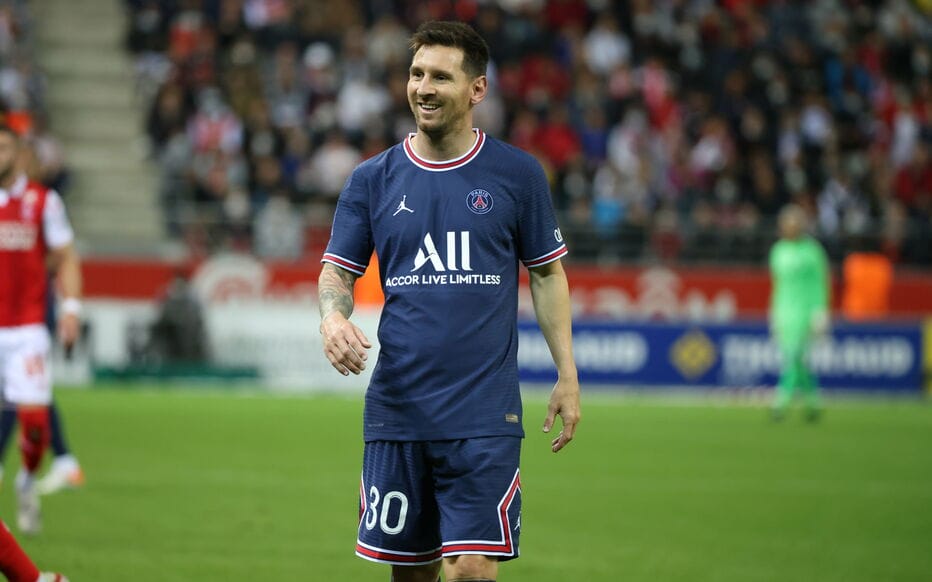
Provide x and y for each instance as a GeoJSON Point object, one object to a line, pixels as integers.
{"type": "Point", "coordinates": [335, 290]}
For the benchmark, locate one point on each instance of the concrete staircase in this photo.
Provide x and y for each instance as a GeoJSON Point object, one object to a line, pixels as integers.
{"type": "Point", "coordinates": [113, 201]}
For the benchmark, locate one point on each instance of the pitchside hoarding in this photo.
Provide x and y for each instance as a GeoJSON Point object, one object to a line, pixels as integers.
{"type": "Point", "coordinates": [868, 357]}
{"type": "Point", "coordinates": [265, 316]}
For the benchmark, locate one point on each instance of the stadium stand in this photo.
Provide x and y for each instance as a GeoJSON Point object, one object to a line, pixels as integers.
{"type": "Point", "coordinates": [670, 130]}
{"type": "Point", "coordinates": [89, 102]}
{"type": "Point", "coordinates": [23, 96]}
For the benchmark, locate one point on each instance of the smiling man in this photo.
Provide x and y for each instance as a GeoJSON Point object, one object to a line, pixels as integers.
{"type": "Point", "coordinates": [451, 213]}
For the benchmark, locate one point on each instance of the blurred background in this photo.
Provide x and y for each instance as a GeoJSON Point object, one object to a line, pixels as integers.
{"type": "Point", "coordinates": [200, 147]}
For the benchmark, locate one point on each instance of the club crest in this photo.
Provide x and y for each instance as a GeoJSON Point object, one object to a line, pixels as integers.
{"type": "Point", "coordinates": [479, 201]}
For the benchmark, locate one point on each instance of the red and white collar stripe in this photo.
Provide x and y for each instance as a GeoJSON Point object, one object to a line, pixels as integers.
{"type": "Point", "coordinates": [15, 191]}
{"type": "Point", "coordinates": [446, 164]}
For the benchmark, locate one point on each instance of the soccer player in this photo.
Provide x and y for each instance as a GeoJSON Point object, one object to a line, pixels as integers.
{"type": "Point", "coordinates": [798, 308]}
{"type": "Point", "coordinates": [35, 235]}
{"type": "Point", "coordinates": [450, 213]}
{"type": "Point", "coordinates": [65, 471]}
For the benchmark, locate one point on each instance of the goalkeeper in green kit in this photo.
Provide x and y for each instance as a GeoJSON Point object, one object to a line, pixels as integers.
{"type": "Point", "coordinates": [798, 308]}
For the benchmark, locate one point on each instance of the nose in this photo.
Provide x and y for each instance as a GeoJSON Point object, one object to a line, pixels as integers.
{"type": "Point", "coordinates": [424, 86]}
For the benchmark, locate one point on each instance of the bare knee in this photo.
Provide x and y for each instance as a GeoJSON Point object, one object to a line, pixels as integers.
{"type": "Point", "coordinates": [424, 573]}
{"type": "Point", "coordinates": [470, 567]}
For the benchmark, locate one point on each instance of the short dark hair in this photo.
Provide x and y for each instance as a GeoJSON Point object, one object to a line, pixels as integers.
{"type": "Point", "coordinates": [456, 35]}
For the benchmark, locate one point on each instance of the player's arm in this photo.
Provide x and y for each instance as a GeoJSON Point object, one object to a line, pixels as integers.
{"type": "Point", "coordinates": [771, 308]}
{"type": "Point", "coordinates": [551, 297]}
{"type": "Point", "coordinates": [344, 343]}
{"type": "Point", "coordinates": [822, 288]}
{"type": "Point", "coordinates": [65, 262]}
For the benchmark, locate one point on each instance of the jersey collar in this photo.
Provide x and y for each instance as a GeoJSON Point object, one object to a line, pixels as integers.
{"type": "Point", "coordinates": [15, 191]}
{"type": "Point", "coordinates": [446, 164]}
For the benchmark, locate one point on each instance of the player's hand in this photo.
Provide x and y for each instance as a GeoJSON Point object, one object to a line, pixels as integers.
{"type": "Point", "coordinates": [345, 344]}
{"type": "Point", "coordinates": [820, 323]}
{"type": "Point", "coordinates": [69, 327]}
{"type": "Point", "coordinates": [564, 402]}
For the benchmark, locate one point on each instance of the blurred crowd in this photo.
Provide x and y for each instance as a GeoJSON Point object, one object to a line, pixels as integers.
{"type": "Point", "coordinates": [669, 129]}
{"type": "Point", "coordinates": [22, 96]}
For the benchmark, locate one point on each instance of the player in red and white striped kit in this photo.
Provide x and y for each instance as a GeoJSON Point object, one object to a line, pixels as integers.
{"type": "Point", "coordinates": [35, 236]}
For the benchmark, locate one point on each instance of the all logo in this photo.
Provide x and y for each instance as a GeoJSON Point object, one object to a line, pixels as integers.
{"type": "Point", "coordinates": [428, 253]}
{"type": "Point", "coordinates": [479, 201]}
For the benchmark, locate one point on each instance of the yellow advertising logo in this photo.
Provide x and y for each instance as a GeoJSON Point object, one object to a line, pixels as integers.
{"type": "Point", "coordinates": [693, 354]}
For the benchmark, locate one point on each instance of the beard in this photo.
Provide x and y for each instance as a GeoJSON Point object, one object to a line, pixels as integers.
{"type": "Point", "coordinates": [7, 173]}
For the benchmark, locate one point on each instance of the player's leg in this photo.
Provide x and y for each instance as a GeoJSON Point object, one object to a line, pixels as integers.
{"type": "Point", "coordinates": [7, 426]}
{"type": "Point", "coordinates": [479, 496]}
{"type": "Point", "coordinates": [398, 517]}
{"type": "Point", "coordinates": [27, 383]}
{"type": "Point", "coordinates": [791, 337]}
{"type": "Point", "coordinates": [65, 471]}
{"type": "Point", "coordinates": [810, 391]}
{"type": "Point", "coordinates": [785, 388]}
{"type": "Point", "coordinates": [474, 568]}
{"type": "Point", "coordinates": [425, 573]}
{"type": "Point", "coordinates": [14, 563]}
{"type": "Point", "coordinates": [34, 436]}
{"type": "Point", "coordinates": [33, 441]}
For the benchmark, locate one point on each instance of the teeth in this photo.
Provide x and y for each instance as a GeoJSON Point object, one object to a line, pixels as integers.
{"type": "Point", "coordinates": [429, 107]}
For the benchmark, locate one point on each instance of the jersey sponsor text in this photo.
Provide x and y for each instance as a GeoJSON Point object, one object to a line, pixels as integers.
{"type": "Point", "coordinates": [17, 236]}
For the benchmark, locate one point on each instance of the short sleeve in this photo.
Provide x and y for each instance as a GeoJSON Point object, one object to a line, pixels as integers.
{"type": "Point", "coordinates": [55, 225]}
{"type": "Point", "coordinates": [539, 238]}
{"type": "Point", "coordinates": [351, 245]}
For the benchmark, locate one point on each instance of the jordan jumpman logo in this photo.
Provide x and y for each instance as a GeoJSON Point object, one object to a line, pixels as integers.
{"type": "Point", "coordinates": [402, 206]}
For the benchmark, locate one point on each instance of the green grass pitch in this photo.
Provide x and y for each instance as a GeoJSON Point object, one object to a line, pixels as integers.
{"type": "Point", "coordinates": [201, 485]}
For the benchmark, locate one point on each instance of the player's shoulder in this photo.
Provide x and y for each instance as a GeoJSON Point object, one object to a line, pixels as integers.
{"type": "Point", "coordinates": [816, 246]}
{"type": "Point", "coordinates": [33, 190]}
{"type": "Point", "coordinates": [781, 246]}
{"type": "Point", "coordinates": [510, 155]}
{"type": "Point", "coordinates": [35, 185]}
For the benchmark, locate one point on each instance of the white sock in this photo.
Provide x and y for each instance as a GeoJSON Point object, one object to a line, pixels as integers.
{"type": "Point", "coordinates": [24, 479]}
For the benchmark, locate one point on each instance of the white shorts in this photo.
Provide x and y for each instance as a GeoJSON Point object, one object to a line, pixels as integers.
{"type": "Point", "coordinates": [25, 365]}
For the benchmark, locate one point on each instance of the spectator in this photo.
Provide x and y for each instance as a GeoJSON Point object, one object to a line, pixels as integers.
{"type": "Point", "coordinates": [606, 47]}
{"type": "Point", "coordinates": [330, 166]}
{"type": "Point", "coordinates": [913, 183]}
{"type": "Point", "coordinates": [279, 230]}
{"type": "Point", "coordinates": [720, 112]}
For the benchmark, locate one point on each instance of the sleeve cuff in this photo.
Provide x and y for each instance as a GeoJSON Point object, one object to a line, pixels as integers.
{"type": "Point", "coordinates": [343, 263]}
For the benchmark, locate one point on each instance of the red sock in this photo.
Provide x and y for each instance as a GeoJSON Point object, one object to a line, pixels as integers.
{"type": "Point", "coordinates": [34, 434]}
{"type": "Point", "coordinates": [14, 563]}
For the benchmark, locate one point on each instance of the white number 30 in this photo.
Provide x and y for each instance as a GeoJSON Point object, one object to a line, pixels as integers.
{"type": "Point", "coordinates": [372, 515]}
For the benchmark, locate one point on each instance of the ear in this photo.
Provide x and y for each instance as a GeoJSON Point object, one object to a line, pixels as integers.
{"type": "Point", "coordinates": [478, 90]}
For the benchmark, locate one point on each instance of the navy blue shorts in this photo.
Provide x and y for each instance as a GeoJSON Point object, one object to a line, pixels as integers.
{"type": "Point", "coordinates": [420, 501]}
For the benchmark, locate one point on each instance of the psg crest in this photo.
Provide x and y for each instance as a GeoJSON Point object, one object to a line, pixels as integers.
{"type": "Point", "coordinates": [479, 201]}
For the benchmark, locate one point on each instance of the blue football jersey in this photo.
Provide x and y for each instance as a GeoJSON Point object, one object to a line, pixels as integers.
{"type": "Point", "coordinates": [449, 237]}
